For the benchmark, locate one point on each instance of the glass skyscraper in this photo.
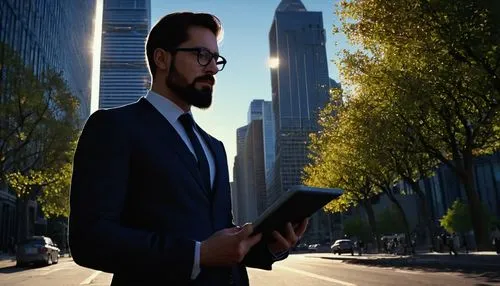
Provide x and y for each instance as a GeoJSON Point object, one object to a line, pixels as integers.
{"type": "Point", "coordinates": [124, 76]}
{"type": "Point", "coordinates": [52, 34]}
{"type": "Point", "coordinates": [45, 35]}
{"type": "Point", "coordinates": [300, 88]}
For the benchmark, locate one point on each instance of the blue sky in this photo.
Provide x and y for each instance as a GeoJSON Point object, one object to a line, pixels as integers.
{"type": "Point", "coordinates": [246, 47]}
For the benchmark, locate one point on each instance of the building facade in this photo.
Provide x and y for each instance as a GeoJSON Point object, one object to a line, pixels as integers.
{"type": "Point", "coordinates": [124, 76]}
{"type": "Point", "coordinates": [300, 88]}
{"type": "Point", "coordinates": [45, 35]}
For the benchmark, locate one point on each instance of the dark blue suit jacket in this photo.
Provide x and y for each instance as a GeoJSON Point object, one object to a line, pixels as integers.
{"type": "Point", "coordinates": [138, 203]}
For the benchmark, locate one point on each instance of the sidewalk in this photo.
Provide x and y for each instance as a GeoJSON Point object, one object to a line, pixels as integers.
{"type": "Point", "coordinates": [7, 260]}
{"type": "Point", "coordinates": [483, 259]}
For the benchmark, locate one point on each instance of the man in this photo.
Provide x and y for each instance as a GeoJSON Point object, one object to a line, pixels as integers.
{"type": "Point", "coordinates": [150, 196]}
{"type": "Point", "coordinates": [495, 238]}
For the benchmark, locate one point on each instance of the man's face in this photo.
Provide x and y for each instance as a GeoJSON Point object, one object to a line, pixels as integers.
{"type": "Point", "coordinates": [187, 78]}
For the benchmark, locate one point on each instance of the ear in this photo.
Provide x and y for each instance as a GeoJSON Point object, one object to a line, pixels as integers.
{"type": "Point", "coordinates": [162, 59]}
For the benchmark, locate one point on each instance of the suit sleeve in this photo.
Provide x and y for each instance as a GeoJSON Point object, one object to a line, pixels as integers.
{"type": "Point", "coordinates": [98, 239]}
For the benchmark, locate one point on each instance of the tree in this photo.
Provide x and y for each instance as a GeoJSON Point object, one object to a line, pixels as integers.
{"type": "Point", "coordinates": [389, 222]}
{"type": "Point", "coordinates": [39, 127]}
{"type": "Point", "coordinates": [435, 65]}
{"type": "Point", "coordinates": [357, 227]}
{"type": "Point", "coordinates": [457, 218]}
{"type": "Point", "coordinates": [334, 162]}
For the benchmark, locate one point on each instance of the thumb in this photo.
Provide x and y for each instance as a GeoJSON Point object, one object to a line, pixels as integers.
{"type": "Point", "coordinates": [245, 231]}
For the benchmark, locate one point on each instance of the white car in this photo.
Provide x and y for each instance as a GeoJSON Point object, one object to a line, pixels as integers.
{"type": "Point", "coordinates": [343, 246]}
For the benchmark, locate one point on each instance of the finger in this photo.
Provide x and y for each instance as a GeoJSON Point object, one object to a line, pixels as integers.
{"type": "Point", "coordinates": [245, 231]}
{"type": "Point", "coordinates": [290, 234]}
{"type": "Point", "coordinates": [233, 229]}
{"type": "Point", "coordinates": [281, 241]}
{"type": "Point", "coordinates": [302, 228]}
{"type": "Point", "coordinates": [253, 240]}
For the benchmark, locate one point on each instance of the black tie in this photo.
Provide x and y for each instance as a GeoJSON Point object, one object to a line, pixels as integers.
{"type": "Point", "coordinates": [188, 123]}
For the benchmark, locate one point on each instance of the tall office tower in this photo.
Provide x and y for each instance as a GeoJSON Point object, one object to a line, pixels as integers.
{"type": "Point", "coordinates": [124, 74]}
{"type": "Point", "coordinates": [45, 35]}
{"type": "Point", "coordinates": [52, 34]}
{"type": "Point", "coordinates": [237, 193]}
{"type": "Point", "coordinates": [262, 110]}
{"type": "Point", "coordinates": [300, 88]}
{"type": "Point", "coordinates": [269, 140]}
{"type": "Point", "coordinates": [253, 168]}
{"type": "Point", "coordinates": [255, 110]}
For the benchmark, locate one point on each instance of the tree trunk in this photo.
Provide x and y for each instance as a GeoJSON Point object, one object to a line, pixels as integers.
{"type": "Point", "coordinates": [425, 210]}
{"type": "Point", "coordinates": [393, 199]}
{"type": "Point", "coordinates": [22, 218]}
{"type": "Point", "coordinates": [371, 220]}
{"type": "Point", "coordinates": [467, 178]}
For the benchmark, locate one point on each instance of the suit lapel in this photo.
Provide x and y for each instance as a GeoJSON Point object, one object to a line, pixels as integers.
{"type": "Point", "coordinates": [166, 133]}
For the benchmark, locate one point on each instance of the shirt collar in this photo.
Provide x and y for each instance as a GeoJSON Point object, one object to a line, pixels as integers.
{"type": "Point", "coordinates": [165, 106]}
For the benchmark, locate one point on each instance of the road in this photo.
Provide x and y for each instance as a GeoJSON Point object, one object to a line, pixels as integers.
{"type": "Point", "coordinates": [297, 270]}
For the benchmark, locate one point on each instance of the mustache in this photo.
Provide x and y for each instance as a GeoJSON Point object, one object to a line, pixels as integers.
{"type": "Point", "coordinates": [207, 77]}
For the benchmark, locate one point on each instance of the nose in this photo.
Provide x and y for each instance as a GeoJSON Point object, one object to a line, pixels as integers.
{"type": "Point", "coordinates": [212, 67]}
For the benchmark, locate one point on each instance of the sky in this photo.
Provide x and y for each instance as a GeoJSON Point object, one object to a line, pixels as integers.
{"type": "Point", "coordinates": [245, 45]}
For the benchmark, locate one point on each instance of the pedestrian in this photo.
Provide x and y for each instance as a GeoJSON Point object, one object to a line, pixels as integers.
{"type": "Point", "coordinates": [451, 244]}
{"type": "Point", "coordinates": [465, 244]}
{"type": "Point", "coordinates": [495, 238]}
{"type": "Point", "coordinates": [150, 195]}
{"type": "Point", "coordinates": [361, 246]}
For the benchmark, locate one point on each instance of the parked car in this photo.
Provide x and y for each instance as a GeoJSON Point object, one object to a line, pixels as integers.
{"type": "Point", "coordinates": [301, 247]}
{"type": "Point", "coordinates": [313, 247]}
{"type": "Point", "coordinates": [37, 249]}
{"type": "Point", "coordinates": [343, 246]}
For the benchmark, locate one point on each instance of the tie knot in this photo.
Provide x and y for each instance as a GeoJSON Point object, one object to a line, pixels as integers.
{"type": "Point", "coordinates": [186, 120]}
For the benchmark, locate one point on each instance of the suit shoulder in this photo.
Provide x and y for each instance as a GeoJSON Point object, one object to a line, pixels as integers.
{"type": "Point", "coordinates": [115, 116]}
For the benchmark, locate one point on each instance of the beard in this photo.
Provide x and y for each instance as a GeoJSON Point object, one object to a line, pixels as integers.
{"type": "Point", "coordinates": [187, 92]}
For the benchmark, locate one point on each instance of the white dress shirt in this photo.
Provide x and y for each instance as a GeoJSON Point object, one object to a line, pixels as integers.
{"type": "Point", "coordinates": [171, 112]}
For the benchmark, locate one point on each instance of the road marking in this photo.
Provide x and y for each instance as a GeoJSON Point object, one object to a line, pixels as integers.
{"type": "Point", "coordinates": [90, 278]}
{"type": "Point", "coordinates": [408, 271]}
{"type": "Point", "coordinates": [312, 275]}
{"type": "Point", "coordinates": [50, 271]}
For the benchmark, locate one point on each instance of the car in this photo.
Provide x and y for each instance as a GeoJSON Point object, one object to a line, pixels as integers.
{"type": "Point", "coordinates": [313, 247]}
{"type": "Point", "coordinates": [301, 247]}
{"type": "Point", "coordinates": [342, 246]}
{"type": "Point", "coordinates": [37, 249]}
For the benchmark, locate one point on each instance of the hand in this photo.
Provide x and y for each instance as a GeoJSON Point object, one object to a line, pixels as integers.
{"type": "Point", "coordinates": [228, 246]}
{"type": "Point", "coordinates": [286, 240]}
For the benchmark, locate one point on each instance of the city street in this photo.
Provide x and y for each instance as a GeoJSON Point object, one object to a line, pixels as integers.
{"type": "Point", "coordinates": [299, 269]}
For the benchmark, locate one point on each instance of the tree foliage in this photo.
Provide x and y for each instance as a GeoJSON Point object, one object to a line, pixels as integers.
{"type": "Point", "coordinates": [457, 218]}
{"type": "Point", "coordinates": [357, 227]}
{"type": "Point", "coordinates": [389, 221]}
{"type": "Point", "coordinates": [429, 70]}
{"type": "Point", "coordinates": [38, 129]}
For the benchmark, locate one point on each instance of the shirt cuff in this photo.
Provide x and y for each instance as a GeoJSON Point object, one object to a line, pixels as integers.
{"type": "Point", "coordinates": [196, 264]}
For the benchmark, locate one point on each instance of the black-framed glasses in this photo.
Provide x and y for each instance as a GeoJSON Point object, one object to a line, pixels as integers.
{"type": "Point", "coordinates": [205, 57]}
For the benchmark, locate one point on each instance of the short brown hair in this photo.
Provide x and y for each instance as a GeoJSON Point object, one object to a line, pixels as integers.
{"type": "Point", "coordinates": [172, 30]}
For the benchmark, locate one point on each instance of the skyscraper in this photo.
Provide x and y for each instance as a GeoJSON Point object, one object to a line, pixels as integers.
{"type": "Point", "coordinates": [124, 74]}
{"type": "Point", "coordinates": [268, 138]}
{"type": "Point", "coordinates": [52, 34]}
{"type": "Point", "coordinates": [45, 35]}
{"type": "Point", "coordinates": [300, 87]}
{"type": "Point", "coordinates": [255, 110]}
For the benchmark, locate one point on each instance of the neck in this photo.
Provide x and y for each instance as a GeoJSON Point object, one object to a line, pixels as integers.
{"type": "Point", "coordinates": [169, 94]}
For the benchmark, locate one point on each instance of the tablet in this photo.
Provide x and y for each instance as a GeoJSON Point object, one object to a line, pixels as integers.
{"type": "Point", "coordinates": [298, 203]}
